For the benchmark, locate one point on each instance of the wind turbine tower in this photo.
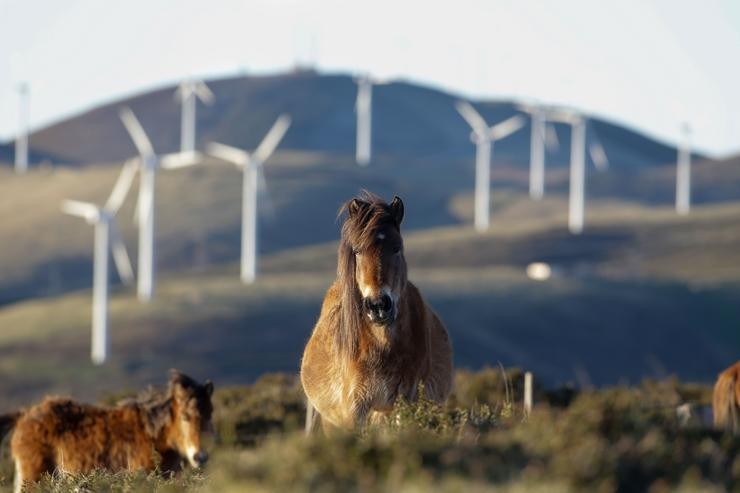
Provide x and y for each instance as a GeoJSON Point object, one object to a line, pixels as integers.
{"type": "Point", "coordinates": [576, 195]}
{"type": "Point", "coordinates": [188, 93]}
{"type": "Point", "coordinates": [683, 172]}
{"type": "Point", "coordinates": [364, 110]}
{"type": "Point", "coordinates": [484, 137]}
{"type": "Point", "coordinates": [107, 237]}
{"type": "Point", "coordinates": [21, 140]}
{"type": "Point", "coordinates": [251, 165]}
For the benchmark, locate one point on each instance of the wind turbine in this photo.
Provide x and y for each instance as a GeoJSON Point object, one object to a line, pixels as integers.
{"type": "Point", "coordinates": [188, 92]}
{"type": "Point", "coordinates": [149, 162]}
{"type": "Point", "coordinates": [251, 166]}
{"type": "Point", "coordinates": [21, 140]}
{"type": "Point", "coordinates": [683, 172]}
{"type": "Point", "coordinates": [484, 137]}
{"type": "Point", "coordinates": [107, 237]}
{"type": "Point", "coordinates": [364, 110]}
{"type": "Point", "coordinates": [576, 196]}
{"type": "Point", "coordinates": [543, 137]}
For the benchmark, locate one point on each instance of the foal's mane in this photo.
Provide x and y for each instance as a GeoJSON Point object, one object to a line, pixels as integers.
{"type": "Point", "coordinates": [155, 407]}
{"type": "Point", "coordinates": [359, 232]}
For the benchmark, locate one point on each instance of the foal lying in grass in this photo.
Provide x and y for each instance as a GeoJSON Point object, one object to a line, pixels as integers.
{"type": "Point", "coordinates": [60, 435]}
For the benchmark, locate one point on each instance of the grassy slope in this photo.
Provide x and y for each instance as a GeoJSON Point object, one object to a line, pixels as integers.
{"type": "Point", "coordinates": [642, 292]}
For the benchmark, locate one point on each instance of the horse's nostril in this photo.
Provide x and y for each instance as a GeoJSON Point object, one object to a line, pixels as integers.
{"type": "Point", "coordinates": [201, 457]}
{"type": "Point", "coordinates": [386, 303]}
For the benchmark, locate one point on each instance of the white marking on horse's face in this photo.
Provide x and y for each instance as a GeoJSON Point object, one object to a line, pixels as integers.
{"type": "Point", "coordinates": [381, 236]}
{"type": "Point", "coordinates": [191, 449]}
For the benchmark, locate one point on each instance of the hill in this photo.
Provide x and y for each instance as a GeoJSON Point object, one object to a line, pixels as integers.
{"type": "Point", "coordinates": [409, 120]}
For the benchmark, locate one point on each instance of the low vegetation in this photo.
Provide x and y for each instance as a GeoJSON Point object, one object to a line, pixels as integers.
{"type": "Point", "coordinates": [616, 439]}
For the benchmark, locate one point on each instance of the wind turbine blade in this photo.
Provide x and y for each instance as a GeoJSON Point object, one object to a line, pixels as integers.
{"type": "Point", "coordinates": [204, 92]}
{"type": "Point", "coordinates": [84, 210]}
{"type": "Point", "coordinates": [476, 122]}
{"type": "Point", "coordinates": [507, 127]}
{"type": "Point", "coordinates": [136, 131]}
{"type": "Point", "coordinates": [272, 139]}
{"type": "Point", "coordinates": [120, 255]}
{"type": "Point", "coordinates": [180, 160]}
{"type": "Point", "coordinates": [122, 186]}
{"type": "Point", "coordinates": [552, 143]}
{"type": "Point", "coordinates": [598, 155]}
{"type": "Point", "coordinates": [228, 153]}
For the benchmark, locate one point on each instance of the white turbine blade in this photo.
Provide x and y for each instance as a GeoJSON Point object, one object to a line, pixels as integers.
{"type": "Point", "coordinates": [598, 155]}
{"type": "Point", "coordinates": [552, 143]}
{"type": "Point", "coordinates": [476, 122]}
{"type": "Point", "coordinates": [563, 116]}
{"type": "Point", "coordinates": [122, 186]}
{"type": "Point", "coordinates": [204, 92]}
{"type": "Point", "coordinates": [84, 210]}
{"type": "Point", "coordinates": [272, 139]}
{"type": "Point", "coordinates": [120, 255]}
{"type": "Point", "coordinates": [180, 160]}
{"type": "Point", "coordinates": [507, 127]}
{"type": "Point", "coordinates": [136, 131]}
{"type": "Point", "coordinates": [228, 153]}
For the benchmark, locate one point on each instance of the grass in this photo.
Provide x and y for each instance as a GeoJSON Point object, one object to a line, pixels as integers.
{"type": "Point", "coordinates": [616, 439]}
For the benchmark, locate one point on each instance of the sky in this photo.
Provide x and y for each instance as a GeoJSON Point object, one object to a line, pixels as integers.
{"type": "Point", "coordinates": [651, 64]}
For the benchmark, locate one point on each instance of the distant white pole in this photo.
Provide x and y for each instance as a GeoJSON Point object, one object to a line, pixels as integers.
{"type": "Point", "coordinates": [683, 173]}
{"type": "Point", "coordinates": [364, 121]}
{"type": "Point", "coordinates": [537, 156]}
{"type": "Point", "coordinates": [482, 182]}
{"type": "Point", "coordinates": [146, 280]}
{"type": "Point", "coordinates": [187, 123]}
{"type": "Point", "coordinates": [577, 176]}
{"type": "Point", "coordinates": [99, 341]}
{"type": "Point", "coordinates": [21, 140]}
{"type": "Point", "coordinates": [528, 400]}
{"type": "Point", "coordinates": [249, 222]}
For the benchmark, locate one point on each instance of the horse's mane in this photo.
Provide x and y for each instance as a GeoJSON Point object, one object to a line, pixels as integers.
{"type": "Point", "coordinates": [155, 407]}
{"type": "Point", "coordinates": [359, 232]}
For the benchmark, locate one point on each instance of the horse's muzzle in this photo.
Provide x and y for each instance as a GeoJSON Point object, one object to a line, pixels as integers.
{"type": "Point", "coordinates": [200, 458]}
{"type": "Point", "coordinates": [380, 310]}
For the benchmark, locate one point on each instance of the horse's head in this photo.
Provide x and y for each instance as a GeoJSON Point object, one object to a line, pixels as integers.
{"type": "Point", "coordinates": [371, 237]}
{"type": "Point", "coordinates": [192, 410]}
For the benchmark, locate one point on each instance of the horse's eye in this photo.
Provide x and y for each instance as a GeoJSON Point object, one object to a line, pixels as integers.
{"type": "Point", "coordinates": [396, 249]}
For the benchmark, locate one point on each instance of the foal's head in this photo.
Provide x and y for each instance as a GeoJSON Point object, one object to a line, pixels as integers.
{"type": "Point", "coordinates": [371, 253]}
{"type": "Point", "coordinates": [191, 413]}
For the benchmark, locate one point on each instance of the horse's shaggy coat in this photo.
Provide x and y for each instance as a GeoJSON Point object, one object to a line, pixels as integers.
{"type": "Point", "coordinates": [60, 436]}
{"type": "Point", "coordinates": [376, 338]}
{"type": "Point", "coordinates": [726, 399]}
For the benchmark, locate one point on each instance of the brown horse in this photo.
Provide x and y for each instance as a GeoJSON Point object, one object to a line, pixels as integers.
{"type": "Point", "coordinates": [65, 437]}
{"type": "Point", "coordinates": [376, 338]}
{"type": "Point", "coordinates": [726, 399]}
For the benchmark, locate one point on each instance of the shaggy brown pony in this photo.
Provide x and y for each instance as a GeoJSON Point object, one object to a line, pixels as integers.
{"type": "Point", "coordinates": [376, 338]}
{"type": "Point", "coordinates": [726, 399]}
{"type": "Point", "coordinates": [65, 437]}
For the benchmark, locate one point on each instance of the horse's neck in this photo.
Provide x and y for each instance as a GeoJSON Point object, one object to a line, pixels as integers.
{"type": "Point", "coordinates": [157, 420]}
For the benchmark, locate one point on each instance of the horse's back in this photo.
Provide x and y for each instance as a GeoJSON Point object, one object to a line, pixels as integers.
{"type": "Point", "coordinates": [62, 434]}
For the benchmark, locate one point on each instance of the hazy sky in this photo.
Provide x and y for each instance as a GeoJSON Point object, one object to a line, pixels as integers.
{"type": "Point", "coordinates": [650, 64]}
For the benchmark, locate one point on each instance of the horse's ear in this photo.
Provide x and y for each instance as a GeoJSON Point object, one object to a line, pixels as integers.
{"type": "Point", "coordinates": [397, 209]}
{"type": "Point", "coordinates": [175, 375]}
{"type": "Point", "coordinates": [356, 206]}
{"type": "Point", "coordinates": [209, 387]}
